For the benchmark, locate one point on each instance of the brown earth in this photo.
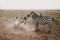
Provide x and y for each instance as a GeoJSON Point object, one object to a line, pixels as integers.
{"type": "Point", "coordinates": [9, 32]}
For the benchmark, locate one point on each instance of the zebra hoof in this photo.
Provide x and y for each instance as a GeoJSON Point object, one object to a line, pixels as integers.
{"type": "Point", "coordinates": [36, 30]}
{"type": "Point", "coordinates": [49, 32]}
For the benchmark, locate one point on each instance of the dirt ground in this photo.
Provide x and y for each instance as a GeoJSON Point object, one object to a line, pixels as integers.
{"type": "Point", "coordinates": [8, 31]}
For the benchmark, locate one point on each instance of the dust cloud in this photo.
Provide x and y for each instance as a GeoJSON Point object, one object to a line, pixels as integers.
{"type": "Point", "coordinates": [15, 25]}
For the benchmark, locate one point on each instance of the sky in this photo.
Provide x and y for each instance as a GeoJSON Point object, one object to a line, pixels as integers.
{"type": "Point", "coordinates": [30, 4]}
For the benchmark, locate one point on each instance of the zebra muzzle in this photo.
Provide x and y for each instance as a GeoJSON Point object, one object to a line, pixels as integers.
{"type": "Point", "coordinates": [27, 15]}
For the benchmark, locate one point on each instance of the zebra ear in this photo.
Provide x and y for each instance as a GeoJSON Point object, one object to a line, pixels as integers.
{"type": "Point", "coordinates": [40, 14]}
{"type": "Point", "coordinates": [32, 12]}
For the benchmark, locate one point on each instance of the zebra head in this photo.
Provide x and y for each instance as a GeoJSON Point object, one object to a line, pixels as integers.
{"type": "Point", "coordinates": [31, 14]}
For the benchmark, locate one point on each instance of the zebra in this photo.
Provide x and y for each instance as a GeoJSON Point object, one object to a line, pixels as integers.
{"type": "Point", "coordinates": [42, 20]}
{"type": "Point", "coordinates": [24, 19]}
{"type": "Point", "coordinates": [20, 20]}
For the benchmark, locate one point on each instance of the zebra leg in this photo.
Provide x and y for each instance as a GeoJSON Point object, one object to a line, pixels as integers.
{"type": "Point", "coordinates": [49, 29]}
{"type": "Point", "coordinates": [37, 24]}
{"type": "Point", "coordinates": [25, 22]}
{"type": "Point", "coordinates": [25, 19]}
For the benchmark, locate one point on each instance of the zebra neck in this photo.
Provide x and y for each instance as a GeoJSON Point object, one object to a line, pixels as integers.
{"type": "Point", "coordinates": [34, 16]}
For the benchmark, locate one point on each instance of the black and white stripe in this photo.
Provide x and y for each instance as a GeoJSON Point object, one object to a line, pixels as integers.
{"type": "Point", "coordinates": [40, 19]}
{"type": "Point", "coordinates": [46, 20]}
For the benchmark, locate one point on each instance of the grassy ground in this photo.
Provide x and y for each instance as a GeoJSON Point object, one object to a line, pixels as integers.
{"type": "Point", "coordinates": [22, 13]}
{"type": "Point", "coordinates": [18, 34]}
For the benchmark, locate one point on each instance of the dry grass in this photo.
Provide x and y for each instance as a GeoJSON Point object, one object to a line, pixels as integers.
{"type": "Point", "coordinates": [21, 34]}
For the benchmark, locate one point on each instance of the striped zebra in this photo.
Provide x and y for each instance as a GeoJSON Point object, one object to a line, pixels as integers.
{"type": "Point", "coordinates": [42, 20]}
{"type": "Point", "coordinates": [24, 19]}
{"type": "Point", "coordinates": [20, 20]}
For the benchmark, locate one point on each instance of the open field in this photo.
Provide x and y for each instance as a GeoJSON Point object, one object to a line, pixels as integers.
{"type": "Point", "coordinates": [26, 32]}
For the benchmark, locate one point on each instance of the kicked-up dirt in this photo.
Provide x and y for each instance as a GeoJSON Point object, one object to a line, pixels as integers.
{"type": "Point", "coordinates": [9, 30]}
{"type": "Point", "coordinates": [25, 31]}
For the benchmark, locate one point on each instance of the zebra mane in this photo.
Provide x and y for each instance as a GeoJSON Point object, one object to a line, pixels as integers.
{"type": "Point", "coordinates": [41, 15]}
{"type": "Point", "coordinates": [33, 12]}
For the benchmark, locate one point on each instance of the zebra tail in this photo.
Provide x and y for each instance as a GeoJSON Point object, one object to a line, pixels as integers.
{"type": "Point", "coordinates": [57, 22]}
